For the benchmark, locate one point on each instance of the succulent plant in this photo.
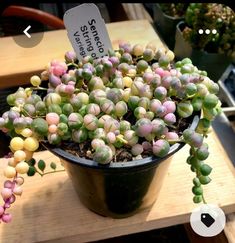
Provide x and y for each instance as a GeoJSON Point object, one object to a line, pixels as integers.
{"type": "Point", "coordinates": [212, 16]}
{"type": "Point", "coordinates": [134, 99]}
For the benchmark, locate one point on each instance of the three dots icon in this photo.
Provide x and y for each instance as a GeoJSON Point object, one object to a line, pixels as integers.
{"type": "Point", "coordinates": [207, 31]}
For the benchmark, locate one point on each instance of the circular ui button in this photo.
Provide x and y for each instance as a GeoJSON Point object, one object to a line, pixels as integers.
{"type": "Point", "coordinates": [207, 220]}
{"type": "Point", "coordinates": [26, 38]}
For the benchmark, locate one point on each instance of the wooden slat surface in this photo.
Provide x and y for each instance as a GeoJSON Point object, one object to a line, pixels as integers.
{"type": "Point", "coordinates": [18, 64]}
{"type": "Point", "coordinates": [229, 229]}
{"type": "Point", "coordinates": [49, 209]}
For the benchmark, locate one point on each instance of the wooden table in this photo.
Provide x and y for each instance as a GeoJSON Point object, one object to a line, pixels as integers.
{"type": "Point", "coordinates": [49, 209]}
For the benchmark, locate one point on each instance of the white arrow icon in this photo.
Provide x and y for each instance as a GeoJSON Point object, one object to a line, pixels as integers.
{"type": "Point", "coordinates": [26, 33]}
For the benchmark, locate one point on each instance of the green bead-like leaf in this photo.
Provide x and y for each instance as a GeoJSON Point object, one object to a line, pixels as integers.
{"type": "Point", "coordinates": [189, 160]}
{"type": "Point", "coordinates": [187, 134]}
{"type": "Point", "coordinates": [185, 109]}
{"type": "Point", "coordinates": [202, 153]}
{"type": "Point", "coordinates": [204, 179]}
{"type": "Point", "coordinates": [40, 126]}
{"type": "Point", "coordinates": [11, 99]}
{"type": "Point", "coordinates": [205, 169]}
{"type": "Point", "coordinates": [195, 162]}
{"type": "Point", "coordinates": [197, 190]}
{"type": "Point", "coordinates": [31, 162]}
{"type": "Point", "coordinates": [193, 169]}
{"type": "Point", "coordinates": [41, 165]}
{"type": "Point", "coordinates": [210, 101]}
{"type": "Point", "coordinates": [191, 151]}
{"type": "Point", "coordinates": [197, 103]}
{"type": "Point", "coordinates": [53, 165]}
{"type": "Point", "coordinates": [196, 182]}
{"type": "Point", "coordinates": [203, 126]}
{"type": "Point", "coordinates": [197, 199]}
{"type": "Point", "coordinates": [31, 171]}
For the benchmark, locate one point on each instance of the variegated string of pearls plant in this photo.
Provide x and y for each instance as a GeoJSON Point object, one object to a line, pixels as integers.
{"type": "Point", "coordinates": [91, 101]}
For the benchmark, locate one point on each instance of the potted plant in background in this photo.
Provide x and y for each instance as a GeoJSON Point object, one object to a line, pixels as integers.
{"type": "Point", "coordinates": [166, 16]}
{"type": "Point", "coordinates": [113, 121]}
{"type": "Point", "coordinates": [214, 50]}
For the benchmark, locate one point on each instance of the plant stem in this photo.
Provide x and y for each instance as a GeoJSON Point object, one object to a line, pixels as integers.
{"type": "Point", "coordinates": [33, 117]}
{"type": "Point", "coordinates": [38, 88]}
{"type": "Point", "coordinates": [122, 139]}
{"type": "Point", "coordinates": [46, 173]}
{"type": "Point", "coordinates": [203, 199]}
{"type": "Point", "coordinates": [172, 126]}
{"type": "Point", "coordinates": [198, 174]}
{"type": "Point", "coordinates": [50, 172]}
{"type": "Point", "coordinates": [179, 122]}
{"type": "Point", "coordinates": [72, 64]}
{"type": "Point", "coordinates": [176, 141]}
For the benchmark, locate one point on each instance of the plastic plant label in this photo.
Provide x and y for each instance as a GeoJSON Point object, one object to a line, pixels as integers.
{"type": "Point", "coordinates": [87, 31]}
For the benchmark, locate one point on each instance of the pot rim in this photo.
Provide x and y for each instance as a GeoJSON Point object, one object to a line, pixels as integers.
{"type": "Point", "coordinates": [129, 164]}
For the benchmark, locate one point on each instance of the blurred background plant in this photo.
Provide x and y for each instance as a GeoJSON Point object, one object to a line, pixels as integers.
{"type": "Point", "coordinates": [211, 16]}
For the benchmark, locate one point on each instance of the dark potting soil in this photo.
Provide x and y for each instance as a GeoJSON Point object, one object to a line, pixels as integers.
{"type": "Point", "coordinates": [123, 154]}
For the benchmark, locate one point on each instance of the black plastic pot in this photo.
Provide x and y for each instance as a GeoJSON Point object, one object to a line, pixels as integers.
{"type": "Point", "coordinates": [214, 63]}
{"type": "Point", "coordinates": [165, 25]}
{"type": "Point", "coordinates": [118, 189]}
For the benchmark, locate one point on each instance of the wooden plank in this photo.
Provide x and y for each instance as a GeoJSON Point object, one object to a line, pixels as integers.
{"type": "Point", "coordinates": [230, 228]}
{"type": "Point", "coordinates": [18, 63]}
{"type": "Point", "coordinates": [50, 211]}
{"type": "Point", "coordinates": [136, 11]}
